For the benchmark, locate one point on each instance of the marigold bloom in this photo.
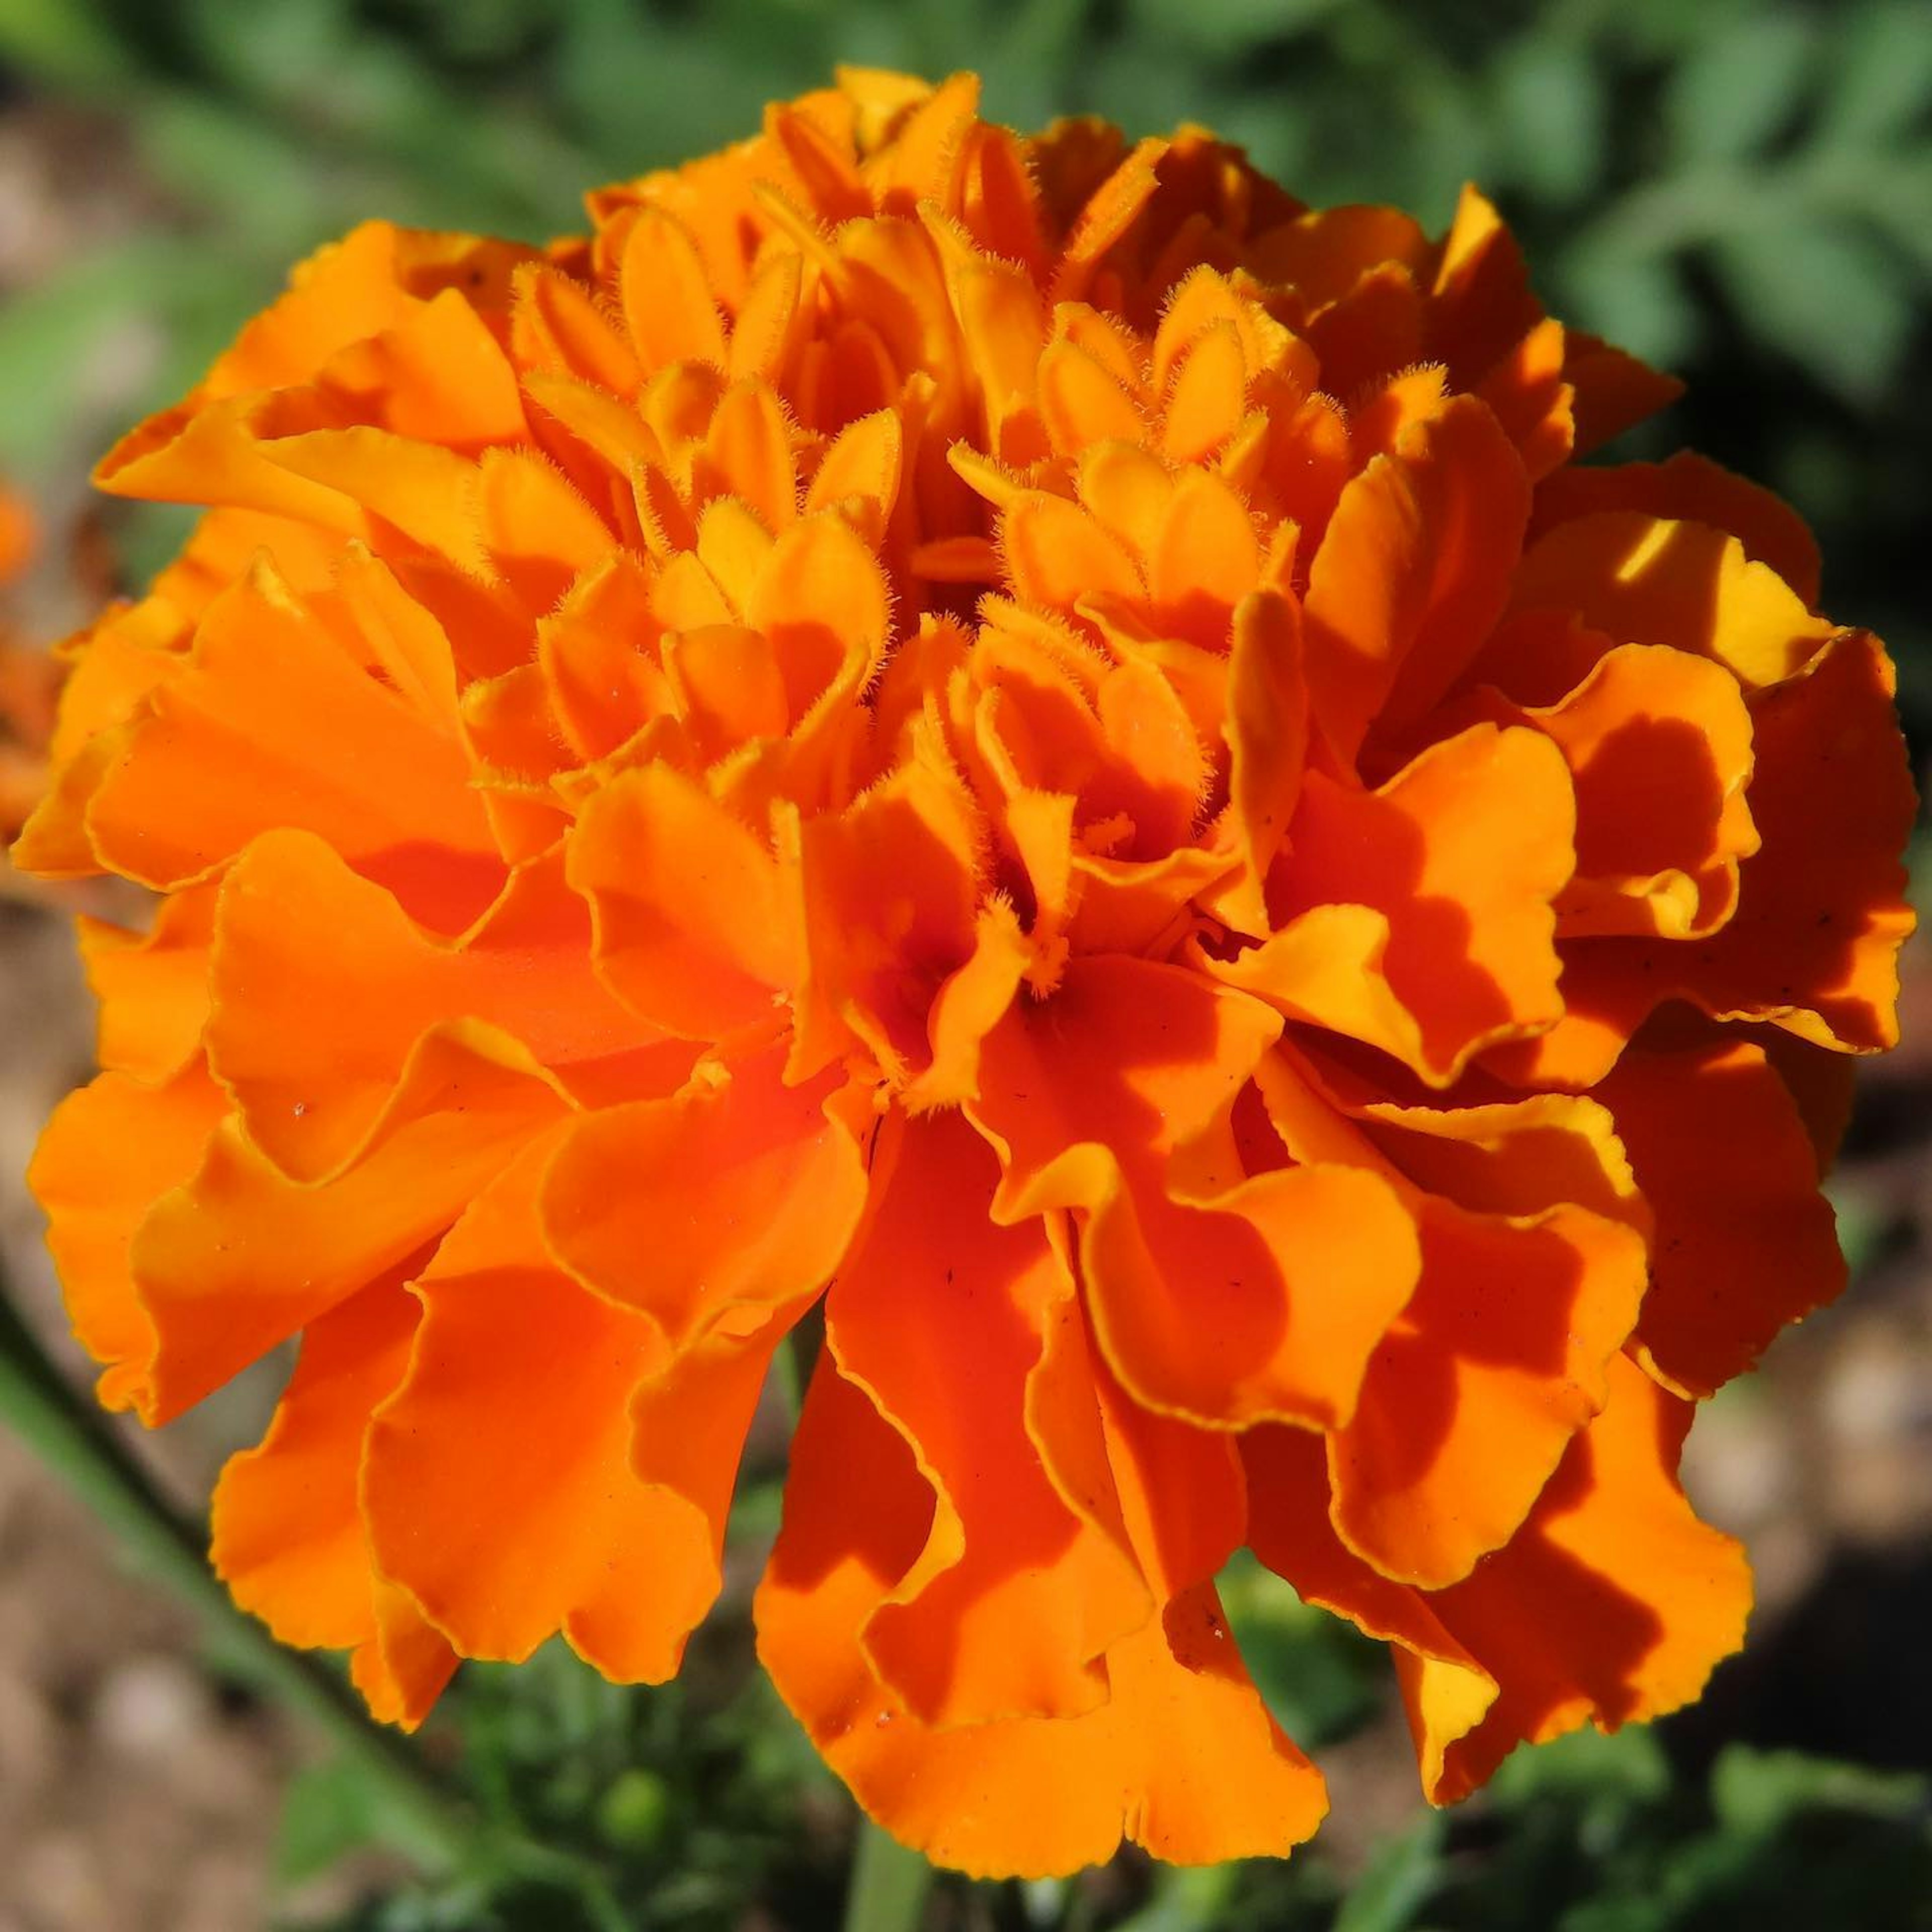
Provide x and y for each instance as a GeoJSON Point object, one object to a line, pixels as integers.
{"type": "Point", "coordinates": [1033, 740]}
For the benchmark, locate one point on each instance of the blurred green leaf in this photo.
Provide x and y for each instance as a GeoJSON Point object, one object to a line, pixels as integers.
{"type": "Point", "coordinates": [1826, 294]}
{"type": "Point", "coordinates": [1759, 1791]}
{"type": "Point", "coordinates": [1551, 96]}
{"type": "Point", "coordinates": [1739, 86]}
{"type": "Point", "coordinates": [1882, 77]}
{"type": "Point", "coordinates": [64, 43]}
{"type": "Point", "coordinates": [1400, 1876]}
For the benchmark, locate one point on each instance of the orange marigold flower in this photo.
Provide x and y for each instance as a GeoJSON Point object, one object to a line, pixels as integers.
{"type": "Point", "coordinates": [1033, 741]}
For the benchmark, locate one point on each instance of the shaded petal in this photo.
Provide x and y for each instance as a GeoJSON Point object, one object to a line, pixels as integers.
{"type": "Point", "coordinates": [696, 929]}
{"type": "Point", "coordinates": [719, 1206]}
{"type": "Point", "coordinates": [1464, 852]}
{"type": "Point", "coordinates": [1745, 1242]}
{"type": "Point", "coordinates": [241, 1257]}
{"type": "Point", "coordinates": [1414, 569]}
{"type": "Point", "coordinates": [942, 1316]}
{"type": "Point", "coordinates": [1183, 1760]}
{"type": "Point", "coordinates": [500, 1492]}
{"type": "Point", "coordinates": [1612, 1605]}
{"type": "Point", "coordinates": [1215, 1296]}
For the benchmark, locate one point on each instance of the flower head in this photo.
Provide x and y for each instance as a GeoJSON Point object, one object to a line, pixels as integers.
{"type": "Point", "coordinates": [1030, 740]}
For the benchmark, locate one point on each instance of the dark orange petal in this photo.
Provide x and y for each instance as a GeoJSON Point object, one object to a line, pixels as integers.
{"type": "Point", "coordinates": [1659, 747]}
{"type": "Point", "coordinates": [1215, 1296]}
{"type": "Point", "coordinates": [1183, 1760]}
{"type": "Point", "coordinates": [1745, 1242]}
{"type": "Point", "coordinates": [1414, 569]}
{"type": "Point", "coordinates": [1463, 853]}
{"type": "Point", "coordinates": [1469, 1401]}
{"type": "Point", "coordinates": [943, 1316]}
{"type": "Point", "coordinates": [1612, 1607]}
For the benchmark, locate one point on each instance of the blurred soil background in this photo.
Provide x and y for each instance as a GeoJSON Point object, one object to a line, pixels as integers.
{"type": "Point", "coordinates": [1741, 191]}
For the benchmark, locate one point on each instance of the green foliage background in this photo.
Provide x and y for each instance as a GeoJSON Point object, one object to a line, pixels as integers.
{"type": "Point", "coordinates": [1739, 190]}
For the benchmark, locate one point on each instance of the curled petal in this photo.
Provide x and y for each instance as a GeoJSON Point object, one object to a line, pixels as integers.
{"type": "Point", "coordinates": [1017, 1594]}
{"type": "Point", "coordinates": [499, 1491]}
{"type": "Point", "coordinates": [1183, 1759]}
{"type": "Point", "coordinates": [713, 1208]}
{"type": "Point", "coordinates": [1464, 853]}
{"type": "Point", "coordinates": [1215, 1296]}
{"type": "Point", "coordinates": [240, 1257]}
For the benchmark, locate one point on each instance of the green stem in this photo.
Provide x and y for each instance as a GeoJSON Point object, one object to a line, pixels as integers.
{"type": "Point", "coordinates": [79, 1443]}
{"type": "Point", "coordinates": [889, 1884]}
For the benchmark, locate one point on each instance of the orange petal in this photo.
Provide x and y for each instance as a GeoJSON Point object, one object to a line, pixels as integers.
{"type": "Point", "coordinates": [666, 295]}
{"type": "Point", "coordinates": [1183, 1760]}
{"type": "Point", "coordinates": [240, 1257]}
{"type": "Point", "coordinates": [1267, 732]}
{"type": "Point", "coordinates": [942, 1316]}
{"type": "Point", "coordinates": [1822, 910]}
{"type": "Point", "coordinates": [1413, 570]}
{"type": "Point", "coordinates": [1469, 1401]}
{"type": "Point", "coordinates": [1216, 1297]}
{"type": "Point", "coordinates": [1745, 1242]}
{"type": "Point", "coordinates": [111, 1150]}
{"type": "Point", "coordinates": [253, 736]}
{"type": "Point", "coordinates": [499, 1491]}
{"type": "Point", "coordinates": [732, 1198]}
{"type": "Point", "coordinates": [695, 928]}
{"type": "Point", "coordinates": [289, 1539]}
{"type": "Point", "coordinates": [1464, 853]}
{"type": "Point", "coordinates": [1659, 747]}
{"type": "Point", "coordinates": [1692, 489]}
{"type": "Point", "coordinates": [1641, 580]}
{"type": "Point", "coordinates": [299, 933]}
{"type": "Point", "coordinates": [152, 985]}
{"type": "Point", "coordinates": [1056, 554]}
{"type": "Point", "coordinates": [1612, 1607]}
{"type": "Point", "coordinates": [892, 889]}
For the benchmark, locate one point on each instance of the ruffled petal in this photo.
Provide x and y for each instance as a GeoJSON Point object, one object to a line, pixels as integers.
{"type": "Point", "coordinates": [110, 1152]}
{"type": "Point", "coordinates": [1183, 1760]}
{"type": "Point", "coordinates": [289, 1539]}
{"type": "Point", "coordinates": [300, 935]}
{"type": "Point", "coordinates": [1745, 1242]}
{"type": "Point", "coordinates": [695, 928]}
{"type": "Point", "coordinates": [1215, 1295]}
{"type": "Point", "coordinates": [499, 1492]}
{"type": "Point", "coordinates": [240, 1257]}
{"type": "Point", "coordinates": [1612, 1605]}
{"type": "Point", "coordinates": [734, 1198]}
{"type": "Point", "coordinates": [1464, 853]}
{"type": "Point", "coordinates": [943, 1316]}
